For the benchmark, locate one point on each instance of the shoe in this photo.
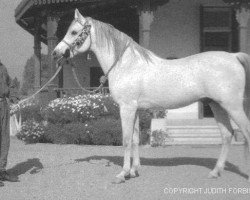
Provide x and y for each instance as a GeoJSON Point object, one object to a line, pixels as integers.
{"type": "Point", "coordinates": [4, 176]}
{"type": "Point", "coordinates": [1, 184]}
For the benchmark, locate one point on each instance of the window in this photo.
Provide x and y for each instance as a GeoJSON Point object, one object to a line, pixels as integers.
{"type": "Point", "coordinates": [218, 29]}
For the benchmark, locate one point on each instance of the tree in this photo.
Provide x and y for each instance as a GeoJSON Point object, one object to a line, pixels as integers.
{"type": "Point", "coordinates": [16, 83]}
{"type": "Point", "coordinates": [29, 74]}
{"type": "Point", "coordinates": [15, 90]}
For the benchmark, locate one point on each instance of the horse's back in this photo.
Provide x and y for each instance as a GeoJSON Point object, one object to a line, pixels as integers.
{"type": "Point", "coordinates": [180, 82]}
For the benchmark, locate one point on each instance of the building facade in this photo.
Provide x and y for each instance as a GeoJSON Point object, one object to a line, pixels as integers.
{"type": "Point", "coordinates": [170, 28]}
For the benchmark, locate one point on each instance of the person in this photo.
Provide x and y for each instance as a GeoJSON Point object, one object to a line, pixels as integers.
{"type": "Point", "coordinates": [4, 125]}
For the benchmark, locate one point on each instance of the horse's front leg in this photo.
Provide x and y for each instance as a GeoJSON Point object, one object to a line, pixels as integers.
{"type": "Point", "coordinates": [135, 147]}
{"type": "Point", "coordinates": [127, 113]}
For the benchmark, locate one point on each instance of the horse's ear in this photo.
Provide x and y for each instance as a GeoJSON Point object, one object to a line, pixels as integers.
{"type": "Point", "coordinates": [77, 14]}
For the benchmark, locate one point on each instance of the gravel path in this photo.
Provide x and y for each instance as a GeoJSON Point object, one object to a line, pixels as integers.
{"type": "Point", "coordinates": [74, 172]}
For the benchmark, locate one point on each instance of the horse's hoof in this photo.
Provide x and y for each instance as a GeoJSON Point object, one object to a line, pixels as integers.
{"type": "Point", "coordinates": [127, 177]}
{"type": "Point", "coordinates": [118, 180]}
{"type": "Point", "coordinates": [213, 175]}
{"type": "Point", "coordinates": [134, 174]}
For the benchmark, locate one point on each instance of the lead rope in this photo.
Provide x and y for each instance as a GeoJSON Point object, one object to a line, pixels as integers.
{"type": "Point", "coordinates": [59, 67]}
{"type": "Point", "coordinates": [103, 78]}
{"type": "Point", "coordinates": [102, 82]}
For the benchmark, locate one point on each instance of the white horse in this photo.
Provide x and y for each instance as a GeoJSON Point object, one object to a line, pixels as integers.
{"type": "Point", "coordinates": [140, 79]}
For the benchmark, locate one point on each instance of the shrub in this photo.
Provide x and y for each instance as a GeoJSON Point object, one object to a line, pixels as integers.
{"type": "Point", "coordinates": [80, 130]}
{"type": "Point", "coordinates": [159, 138]}
{"type": "Point", "coordinates": [145, 137]}
{"type": "Point", "coordinates": [80, 108]}
{"type": "Point", "coordinates": [83, 119]}
{"type": "Point", "coordinates": [105, 131]}
{"type": "Point", "coordinates": [145, 117]}
{"type": "Point", "coordinates": [30, 110]}
{"type": "Point", "coordinates": [31, 132]}
{"type": "Point", "coordinates": [112, 108]}
{"type": "Point", "coordinates": [57, 134]}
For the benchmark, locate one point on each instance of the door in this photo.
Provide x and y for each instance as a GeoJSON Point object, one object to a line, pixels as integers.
{"type": "Point", "coordinates": [95, 75]}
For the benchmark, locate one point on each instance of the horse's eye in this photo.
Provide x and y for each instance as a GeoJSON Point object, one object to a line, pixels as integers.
{"type": "Point", "coordinates": [73, 33]}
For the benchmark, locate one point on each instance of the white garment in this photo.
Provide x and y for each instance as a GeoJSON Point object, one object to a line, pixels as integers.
{"type": "Point", "coordinates": [15, 125]}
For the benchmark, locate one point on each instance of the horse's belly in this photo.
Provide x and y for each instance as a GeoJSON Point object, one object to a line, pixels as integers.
{"type": "Point", "coordinates": [167, 101]}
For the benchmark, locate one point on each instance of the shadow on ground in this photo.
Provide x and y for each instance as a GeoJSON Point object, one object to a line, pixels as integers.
{"type": "Point", "coordinates": [176, 161]}
{"type": "Point", "coordinates": [33, 164]}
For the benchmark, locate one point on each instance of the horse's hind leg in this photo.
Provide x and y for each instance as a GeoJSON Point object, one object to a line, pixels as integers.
{"type": "Point", "coordinates": [238, 115]}
{"type": "Point", "coordinates": [226, 130]}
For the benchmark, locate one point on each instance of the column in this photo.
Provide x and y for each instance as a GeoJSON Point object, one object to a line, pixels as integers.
{"type": "Point", "coordinates": [146, 19]}
{"type": "Point", "coordinates": [37, 53]}
{"type": "Point", "coordinates": [52, 24]}
{"type": "Point", "coordinates": [242, 16]}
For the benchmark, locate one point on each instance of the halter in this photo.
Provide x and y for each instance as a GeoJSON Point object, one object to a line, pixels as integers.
{"type": "Point", "coordinates": [84, 33]}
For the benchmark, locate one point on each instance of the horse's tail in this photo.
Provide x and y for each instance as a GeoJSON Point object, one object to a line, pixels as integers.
{"type": "Point", "coordinates": [244, 59]}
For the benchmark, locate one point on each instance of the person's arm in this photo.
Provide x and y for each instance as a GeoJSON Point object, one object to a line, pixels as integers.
{"type": "Point", "coordinates": [4, 82]}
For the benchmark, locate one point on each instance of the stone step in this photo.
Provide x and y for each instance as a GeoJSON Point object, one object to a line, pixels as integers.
{"type": "Point", "coordinates": [185, 126]}
{"type": "Point", "coordinates": [188, 131]}
{"type": "Point", "coordinates": [194, 130]}
{"type": "Point", "coordinates": [194, 135]}
{"type": "Point", "coordinates": [190, 122]}
{"type": "Point", "coordinates": [194, 141]}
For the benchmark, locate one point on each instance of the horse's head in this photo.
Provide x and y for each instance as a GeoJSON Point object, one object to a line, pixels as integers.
{"type": "Point", "coordinates": [77, 39]}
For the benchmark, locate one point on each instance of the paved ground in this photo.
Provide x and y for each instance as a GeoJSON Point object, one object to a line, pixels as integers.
{"type": "Point", "coordinates": [75, 172]}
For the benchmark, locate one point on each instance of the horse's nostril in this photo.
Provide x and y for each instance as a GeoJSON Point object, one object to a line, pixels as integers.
{"type": "Point", "coordinates": [66, 53]}
{"type": "Point", "coordinates": [54, 54]}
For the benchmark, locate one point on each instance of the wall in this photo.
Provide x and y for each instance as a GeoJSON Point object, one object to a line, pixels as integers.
{"type": "Point", "coordinates": [82, 69]}
{"type": "Point", "coordinates": [175, 32]}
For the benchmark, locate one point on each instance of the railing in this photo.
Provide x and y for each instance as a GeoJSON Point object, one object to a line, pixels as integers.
{"type": "Point", "coordinates": [78, 91]}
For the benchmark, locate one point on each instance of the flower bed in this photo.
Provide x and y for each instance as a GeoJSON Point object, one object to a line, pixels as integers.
{"type": "Point", "coordinates": [31, 132]}
{"type": "Point", "coordinates": [30, 110]}
{"type": "Point", "coordinates": [77, 109]}
{"type": "Point", "coordinates": [83, 119]}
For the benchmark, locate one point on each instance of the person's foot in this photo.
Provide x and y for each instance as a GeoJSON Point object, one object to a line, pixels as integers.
{"type": "Point", "coordinates": [4, 176]}
{"type": "Point", "coordinates": [1, 184]}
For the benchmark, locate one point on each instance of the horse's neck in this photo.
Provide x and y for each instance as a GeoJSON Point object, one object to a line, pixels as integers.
{"type": "Point", "coordinates": [105, 57]}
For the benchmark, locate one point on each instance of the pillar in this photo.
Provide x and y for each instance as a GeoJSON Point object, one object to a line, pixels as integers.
{"type": "Point", "coordinates": [146, 19]}
{"type": "Point", "coordinates": [37, 53]}
{"type": "Point", "coordinates": [242, 16]}
{"type": "Point", "coordinates": [52, 24]}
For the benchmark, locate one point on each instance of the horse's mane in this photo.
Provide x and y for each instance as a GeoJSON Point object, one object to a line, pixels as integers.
{"type": "Point", "coordinates": [106, 34]}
